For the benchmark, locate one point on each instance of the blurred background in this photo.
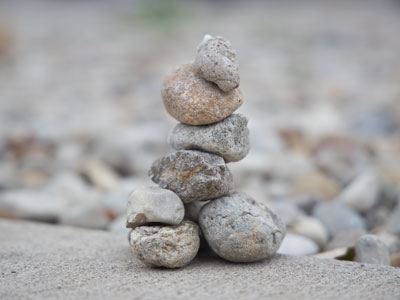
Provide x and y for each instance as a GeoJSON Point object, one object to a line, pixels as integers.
{"type": "Point", "coordinates": [81, 116]}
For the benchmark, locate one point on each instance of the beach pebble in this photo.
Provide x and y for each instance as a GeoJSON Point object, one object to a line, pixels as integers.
{"type": "Point", "coordinates": [297, 245]}
{"type": "Point", "coordinates": [369, 249]}
{"type": "Point", "coordinates": [313, 229]}
{"type": "Point", "coordinates": [345, 239]}
{"type": "Point", "coordinates": [216, 62]}
{"type": "Point", "coordinates": [228, 138]}
{"type": "Point", "coordinates": [192, 100]}
{"type": "Point", "coordinates": [362, 193]}
{"type": "Point", "coordinates": [337, 217]}
{"type": "Point", "coordinates": [239, 229]}
{"type": "Point", "coordinates": [192, 175]}
{"type": "Point", "coordinates": [167, 246]}
{"type": "Point", "coordinates": [153, 205]}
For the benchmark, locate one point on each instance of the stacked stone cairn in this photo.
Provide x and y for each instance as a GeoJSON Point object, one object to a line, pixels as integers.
{"type": "Point", "coordinates": [195, 187]}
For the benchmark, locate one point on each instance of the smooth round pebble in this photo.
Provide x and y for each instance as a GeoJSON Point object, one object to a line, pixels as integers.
{"type": "Point", "coordinates": [228, 138]}
{"type": "Point", "coordinates": [216, 62]}
{"type": "Point", "coordinates": [297, 245]}
{"type": "Point", "coordinates": [239, 229]}
{"type": "Point", "coordinates": [168, 246]}
{"type": "Point", "coordinates": [192, 100]}
{"type": "Point", "coordinates": [369, 249]}
{"type": "Point", "coordinates": [193, 175]}
{"type": "Point", "coordinates": [313, 229]}
{"type": "Point", "coordinates": [154, 204]}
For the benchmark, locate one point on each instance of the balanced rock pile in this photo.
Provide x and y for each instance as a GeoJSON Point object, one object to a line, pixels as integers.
{"type": "Point", "coordinates": [195, 184]}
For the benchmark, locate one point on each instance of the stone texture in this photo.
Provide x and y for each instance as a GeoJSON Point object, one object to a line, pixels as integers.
{"type": "Point", "coordinates": [362, 193]}
{"type": "Point", "coordinates": [369, 249]}
{"type": "Point", "coordinates": [228, 138]}
{"type": "Point", "coordinates": [239, 229]}
{"type": "Point", "coordinates": [192, 175]}
{"type": "Point", "coordinates": [313, 229]}
{"type": "Point", "coordinates": [216, 62]}
{"type": "Point", "coordinates": [337, 217]}
{"type": "Point", "coordinates": [297, 245]}
{"type": "Point", "coordinates": [153, 205]}
{"type": "Point", "coordinates": [192, 210]}
{"type": "Point", "coordinates": [192, 100]}
{"type": "Point", "coordinates": [107, 269]}
{"type": "Point", "coordinates": [168, 246]}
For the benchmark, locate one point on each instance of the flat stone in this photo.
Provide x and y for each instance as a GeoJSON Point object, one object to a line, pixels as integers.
{"type": "Point", "coordinates": [239, 229]}
{"type": "Point", "coordinates": [228, 138]}
{"type": "Point", "coordinates": [168, 246]}
{"type": "Point", "coordinates": [369, 249]}
{"type": "Point", "coordinates": [192, 100]}
{"type": "Point", "coordinates": [336, 217]}
{"type": "Point", "coordinates": [297, 245]}
{"type": "Point", "coordinates": [154, 205]}
{"type": "Point", "coordinates": [100, 264]}
{"type": "Point", "coordinates": [192, 175]}
{"type": "Point", "coordinates": [216, 62]}
{"type": "Point", "coordinates": [313, 229]}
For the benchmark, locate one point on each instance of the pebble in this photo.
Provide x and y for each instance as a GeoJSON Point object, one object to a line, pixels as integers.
{"type": "Point", "coordinates": [297, 245]}
{"type": "Point", "coordinates": [192, 100]}
{"type": "Point", "coordinates": [313, 229]}
{"type": "Point", "coordinates": [287, 211]}
{"type": "Point", "coordinates": [393, 223]}
{"type": "Point", "coordinates": [99, 174]}
{"type": "Point", "coordinates": [317, 184]}
{"type": "Point", "coordinates": [228, 138]}
{"type": "Point", "coordinates": [216, 62]}
{"type": "Point", "coordinates": [239, 229]}
{"type": "Point", "coordinates": [369, 249]}
{"type": "Point", "coordinates": [362, 193]}
{"type": "Point", "coordinates": [337, 217]}
{"type": "Point", "coordinates": [153, 205]}
{"type": "Point", "coordinates": [391, 240]}
{"type": "Point", "coordinates": [168, 246]}
{"type": "Point", "coordinates": [345, 239]}
{"type": "Point", "coordinates": [192, 175]}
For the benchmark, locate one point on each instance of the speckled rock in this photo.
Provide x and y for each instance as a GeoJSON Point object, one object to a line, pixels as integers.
{"type": "Point", "coordinates": [192, 175]}
{"type": "Point", "coordinates": [369, 249]}
{"type": "Point", "coordinates": [169, 246]}
{"type": "Point", "coordinates": [153, 205]}
{"type": "Point", "coordinates": [228, 138]}
{"type": "Point", "coordinates": [239, 229]}
{"type": "Point", "coordinates": [192, 100]}
{"type": "Point", "coordinates": [216, 62]}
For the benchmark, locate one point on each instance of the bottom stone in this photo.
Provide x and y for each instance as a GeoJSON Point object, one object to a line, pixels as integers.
{"type": "Point", "coordinates": [239, 229]}
{"type": "Point", "coordinates": [166, 246]}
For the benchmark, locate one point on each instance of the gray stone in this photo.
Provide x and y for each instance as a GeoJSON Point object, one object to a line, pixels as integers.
{"type": "Point", "coordinates": [192, 175]}
{"type": "Point", "coordinates": [313, 229]}
{"type": "Point", "coordinates": [154, 205]}
{"type": "Point", "coordinates": [362, 193]}
{"type": "Point", "coordinates": [369, 249]}
{"type": "Point", "coordinates": [169, 246]}
{"type": "Point", "coordinates": [228, 138]}
{"type": "Point", "coordinates": [97, 264]}
{"type": "Point", "coordinates": [297, 245]}
{"type": "Point", "coordinates": [345, 239]}
{"type": "Point", "coordinates": [239, 229]}
{"type": "Point", "coordinates": [391, 240]}
{"type": "Point", "coordinates": [288, 211]}
{"type": "Point", "coordinates": [216, 62]}
{"type": "Point", "coordinates": [337, 217]}
{"type": "Point", "coordinates": [192, 100]}
{"type": "Point", "coordinates": [393, 223]}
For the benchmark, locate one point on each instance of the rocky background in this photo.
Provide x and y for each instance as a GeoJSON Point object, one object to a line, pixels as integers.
{"type": "Point", "coordinates": [81, 116]}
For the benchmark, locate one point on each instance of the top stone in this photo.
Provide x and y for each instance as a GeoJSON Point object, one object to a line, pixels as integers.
{"type": "Point", "coordinates": [192, 100]}
{"type": "Point", "coordinates": [216, 62]}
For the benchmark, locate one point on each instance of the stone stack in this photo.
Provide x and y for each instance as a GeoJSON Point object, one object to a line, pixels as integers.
{"type": "Point", "coordinates": [195, 184]}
